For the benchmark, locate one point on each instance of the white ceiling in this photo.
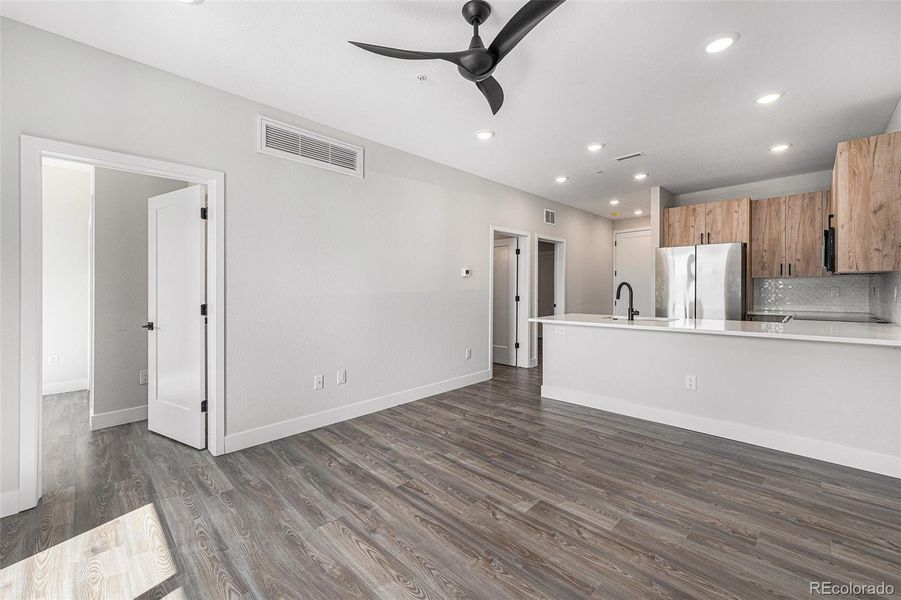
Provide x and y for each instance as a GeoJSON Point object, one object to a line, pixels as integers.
{"type": "Point", "coordinates": [632, 75]}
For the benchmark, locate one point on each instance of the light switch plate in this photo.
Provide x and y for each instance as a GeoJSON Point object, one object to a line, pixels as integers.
{"type": "Point", "coordinates": [342, 376]}
{"type": "Point", "coordinates": [691, 383]}
{"type": "Point", "coordinates": [319, 382]}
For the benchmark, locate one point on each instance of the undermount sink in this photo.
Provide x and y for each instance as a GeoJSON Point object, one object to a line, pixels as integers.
{"type": "Point", "coordinates": [618, 318]}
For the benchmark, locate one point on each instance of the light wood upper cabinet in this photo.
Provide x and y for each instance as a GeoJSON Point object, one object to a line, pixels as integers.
{"type": "Point", "coordinates": [867, 199]}
{"type": "Point", "coordinates": [804, 234]}
{"type": "Point", "coordinates": [787, 235]}
{"type": "Point", "coordinates": [711, 223]}
{"type": "Point", "coordinates": [768, 238]}
{"type": "Point", "coordinates": [683, 225]}
{"type": "Point", "coordinates": [727, 221]}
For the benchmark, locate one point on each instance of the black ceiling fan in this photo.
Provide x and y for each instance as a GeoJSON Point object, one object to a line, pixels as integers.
{"type": "Point", "coordinates": [478, 62]}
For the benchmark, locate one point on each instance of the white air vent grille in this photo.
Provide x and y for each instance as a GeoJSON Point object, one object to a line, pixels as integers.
{"type": "Point", "coordinates": [550, 217]}
{"type": "Point", "coordinates": [293, 143]}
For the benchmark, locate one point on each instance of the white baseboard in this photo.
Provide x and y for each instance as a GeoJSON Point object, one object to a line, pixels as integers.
{"type": "Point", "coordinates": [9, 503]}
{"type": "Point", "coordinates": [61, 387]}
{"type": "Point", "coordinates": [118, 417]}
{"type": "Point", "coordinates": [269, 433]}
{"type": "Point", "coordinates": [884, 464]}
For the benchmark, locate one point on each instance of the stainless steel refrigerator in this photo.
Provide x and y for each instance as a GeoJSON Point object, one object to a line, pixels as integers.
{"type": "Point", "coordinates": [701, 282]}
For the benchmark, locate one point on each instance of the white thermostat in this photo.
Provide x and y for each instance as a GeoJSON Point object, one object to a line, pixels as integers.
{"type": "Point", "coordinates": [465, 272]}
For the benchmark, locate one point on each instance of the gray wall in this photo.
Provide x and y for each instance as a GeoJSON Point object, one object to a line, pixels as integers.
{"type": "Point", "coordinates": [634, 223]}
{"type": "Point", "coordinates": [894, 123]}
{"type": "Point", "coordinates": [781, 186]}
{"type": "Point", "coordinates": [120, 285]}
{"type": "Point", "coordinates": [323, 271]}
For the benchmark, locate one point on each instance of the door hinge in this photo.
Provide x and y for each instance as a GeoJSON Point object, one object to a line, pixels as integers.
{"type": "Point", "coordinates": [516, 345]}
{"type": "Point", "coordinates": [203, 310]}
{"type": "Point", "coordinates": [203, 406]}
{"type": "Point", "coordinates": [517, 298]}
{"type": "Point", "coordinates": [517, 250]}
{"type": "Point", "coordinates": [203, 212]}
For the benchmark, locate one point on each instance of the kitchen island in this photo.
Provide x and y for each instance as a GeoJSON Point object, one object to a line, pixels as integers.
{"type": "Point", "coordinates": [825, 390]}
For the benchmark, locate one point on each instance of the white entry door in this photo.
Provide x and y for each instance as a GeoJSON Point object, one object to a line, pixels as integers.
{"type": "Point", "coordinates": [505, 305]}
{"type": "Point", "coordinates": [177, 341]}
{"type": "Point", "coordinates": [634, 262]}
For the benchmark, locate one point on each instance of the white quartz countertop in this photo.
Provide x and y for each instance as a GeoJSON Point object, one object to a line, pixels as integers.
{"type": "Point", "coordinates": [873, 334]}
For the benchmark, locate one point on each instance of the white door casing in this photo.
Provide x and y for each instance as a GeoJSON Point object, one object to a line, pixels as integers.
{"type": "Point", "coordinates": [505, 305]}
{"type": "Point", "coordinates": [633, 261]}
{"type": "Point", "coordinates": [176, 290]}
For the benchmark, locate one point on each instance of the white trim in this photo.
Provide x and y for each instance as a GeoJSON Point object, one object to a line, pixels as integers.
{"type": "Point", "coordinates": [559, 287]}
{"type": "Point", "coordinates": [118, 417]}
{"type": "Point", "coordinates": [523, 359]}
{"type": "Point", "coordinates": [885, 464]}
{"type": "Point", "coordinates": [63, 387]}
{"type": "Point", "coordinates": [9, 503]}
{"type": "Point", "coordinates": [32, 151]}
{"type": "Point", "coordinates": [275, 431]}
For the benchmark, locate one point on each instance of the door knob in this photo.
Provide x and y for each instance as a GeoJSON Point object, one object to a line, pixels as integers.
{"type": "Point", "coordinates": [148, 326]}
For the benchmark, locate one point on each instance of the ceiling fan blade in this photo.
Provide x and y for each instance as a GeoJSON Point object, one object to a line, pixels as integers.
{"type": "Point", "coordinates": [493, 93]}
{"type": "Point", "coordinates": [520, 25]}
{"type": "Point", "coordinates": [453, 57]}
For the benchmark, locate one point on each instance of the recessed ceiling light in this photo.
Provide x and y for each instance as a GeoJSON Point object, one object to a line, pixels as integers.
{"type": "Point", "coordinates": [594, 147]}
{"type": "Point", "coordinates": [191, 1]}
{"type": "Point", "coordinates": [639, 212]}
{"type": "Point", "coordinates": [614, 202]}
{"type": "Point", "coordinates": [485, 134]}
{"type": "Point", "coordinates": [780, 148]}
{"type": "Point", "coordinates": [720, 42]}
{"type": "Point", "coordinates": [640, 176]}
{"type": "Point", "coordinates": [769, 97]}
{"type": "Point", "coordinates": [561, 178]}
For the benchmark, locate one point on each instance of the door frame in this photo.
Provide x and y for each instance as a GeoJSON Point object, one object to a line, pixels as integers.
{"type": "Point", "coordinates": [559, 286]}
{"type": "Point", "coordinates": [616, 233]}
{"type": "Point", "coordinates": [32, 151]}
{"type": "Point", "coordinates": [525, 294]}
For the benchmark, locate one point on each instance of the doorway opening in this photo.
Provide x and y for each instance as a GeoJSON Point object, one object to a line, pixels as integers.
{"type": "Point", "coordinates": [633, 262]}
{"type": "Point", "coordinates": [121, 304]}
{"type": "Point", "coordinates": [509, 298]}
{"type": "Point", "coordinates": [550, 286]}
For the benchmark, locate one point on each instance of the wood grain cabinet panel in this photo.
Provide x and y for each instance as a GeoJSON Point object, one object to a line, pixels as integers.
{"type": "Point", "coordinates": [804, 234]}
{"type": "Point", "coordinates": [867, 198]}
{"type": "Point", "coordinates": [683, 225]}
{"type": "Point", "coordinates": [727, 221]}
{"type": "Point", "coordinates": [768, 238]}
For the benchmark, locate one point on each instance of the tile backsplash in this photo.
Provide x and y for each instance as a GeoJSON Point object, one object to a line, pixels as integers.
{"type": "Point", "coordinates": [885, 296]}
{"type": "Point", "coordinates": [840, 293]}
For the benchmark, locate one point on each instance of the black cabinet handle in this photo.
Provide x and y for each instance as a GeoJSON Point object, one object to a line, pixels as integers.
{"type": "Point", "coordinates": [708, 237]}
{"type": "Point", "coordinates": [780, 269]}
{"type": "Point", "coordinates": [702, 238]}
{"type": "Point", "coordinates": [789, 269]}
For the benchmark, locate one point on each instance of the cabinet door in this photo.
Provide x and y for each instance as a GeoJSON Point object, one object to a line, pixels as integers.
{"type": "Point", "coordinates": [867, 198]}
{"type": "Point", "coordinates": [727, 221]}
{"type": "Point", "coordinates": [683, 225]}
{"type": "Point", "coordinates": [804, 235]}
{"type": "Point", "coordinates": [768, 238]}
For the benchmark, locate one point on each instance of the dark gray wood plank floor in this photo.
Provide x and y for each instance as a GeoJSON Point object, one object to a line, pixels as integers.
{"type": "Point", "coordinates": [484, 492]}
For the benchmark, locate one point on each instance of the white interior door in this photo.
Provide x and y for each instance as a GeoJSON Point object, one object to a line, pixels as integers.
{"type": "Point", "coordinates": [504, 309]}
{"type": "Point", "coordinates": [177, 341]}
{"type": "Point", "coordinates": [634, 263]}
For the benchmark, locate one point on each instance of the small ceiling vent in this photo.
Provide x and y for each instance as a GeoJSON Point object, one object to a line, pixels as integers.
{"type": "Point", "coordinates": [627, 156]}
{"type": "Point", "coordinates": [286, 141]}
{"type": "Point", "coordinates": [550, 217]}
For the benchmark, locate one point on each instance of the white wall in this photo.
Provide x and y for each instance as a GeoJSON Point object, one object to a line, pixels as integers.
{"type": "Point", "coordinates": [894, 123]}
{"type": "Point", "coordinates": [634, 223]}
{"type": "Point", "coordinates": [66, 277]}
{"type": "Point", "coordinates": [768, 188]}
{"type": "Point", "coordinates": [120, 285]}
{"type": "Point", "coordinates": [323, 271]}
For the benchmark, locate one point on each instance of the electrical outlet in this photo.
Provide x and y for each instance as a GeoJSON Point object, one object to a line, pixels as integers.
{"type": "Point", "coordinates": [53, 360]}
{"type": "Point", "coordinates": [691, 383]}
{"type": "Point", "coordinates": [560, 330]}
{"type": "Point", "coordinates": [319, 382]}
{"type": "Point", "coordinates": [468, 353]}
{"type": "Point", "coordinates": [143, 375]}
{"type": "Point", "coordinates": [342, 376]}
{"type": "Point", "coordinates": [835, 292]}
